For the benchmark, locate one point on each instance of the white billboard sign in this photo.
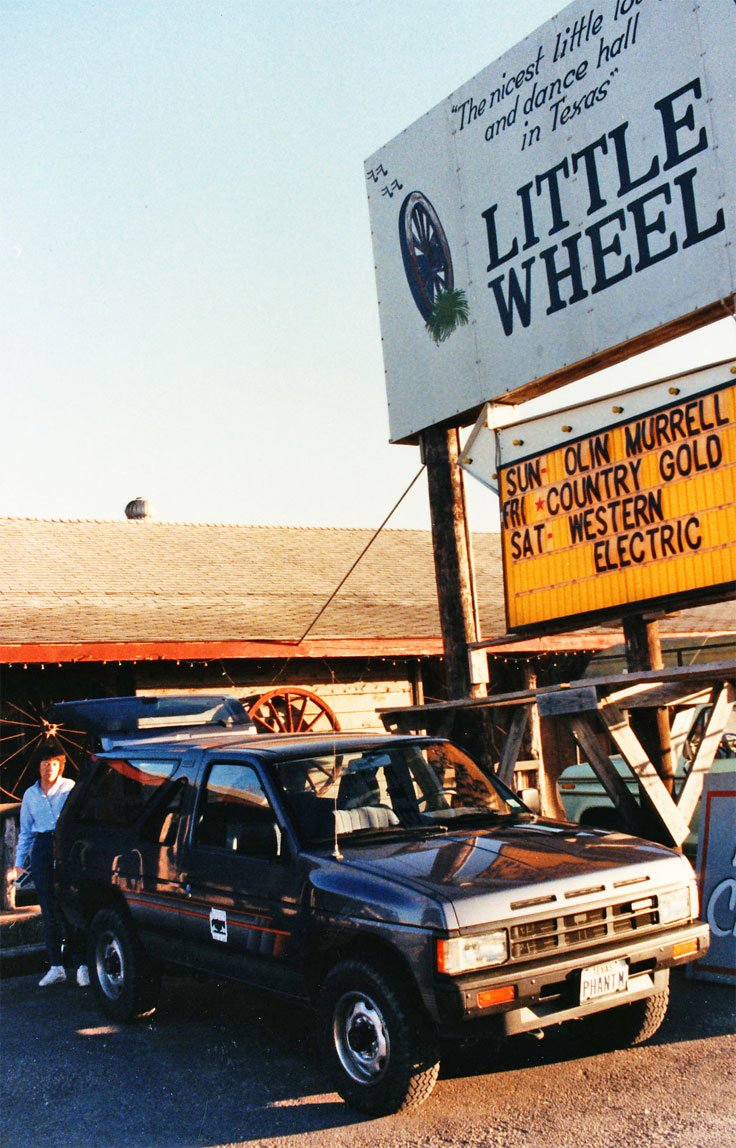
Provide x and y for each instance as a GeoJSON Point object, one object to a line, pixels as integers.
{"type": "Point", "coordinates": [576, 198]}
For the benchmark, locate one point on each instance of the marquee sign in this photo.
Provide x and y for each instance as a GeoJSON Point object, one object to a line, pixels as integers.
{"type": "Point", "coordinates": [633, 503]}
{"type": "Point", "coordinates": [571, 204]}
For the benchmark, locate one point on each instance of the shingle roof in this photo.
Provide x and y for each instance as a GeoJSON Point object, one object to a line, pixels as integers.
{"type": "Point", "coordinates": [92, 581]}
{"type": "Point", "coordinates": [147, 581]}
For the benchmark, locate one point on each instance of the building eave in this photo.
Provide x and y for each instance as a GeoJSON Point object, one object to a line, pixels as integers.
{"type": "Point", "coordinates": [255, 649]}
{"type": "Point", "coordinates": [66, 652]}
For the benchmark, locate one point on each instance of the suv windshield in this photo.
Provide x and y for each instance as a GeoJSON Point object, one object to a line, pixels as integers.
{"type": "Point", "coordinates": [404, 787]}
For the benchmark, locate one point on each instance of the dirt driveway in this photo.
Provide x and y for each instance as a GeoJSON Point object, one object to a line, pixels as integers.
{"type": "Point", "coordinates": [221, 1067]}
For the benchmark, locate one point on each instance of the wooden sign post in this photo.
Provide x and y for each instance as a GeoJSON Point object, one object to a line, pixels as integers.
{"type": "Point", "coordinates": [651, 726]}
{"type": "Point", "coordinates": [451, 557]}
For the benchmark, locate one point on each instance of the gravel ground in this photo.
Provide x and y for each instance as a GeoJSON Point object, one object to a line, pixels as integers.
{"type": "Point", "coordinates": [219, 1066]}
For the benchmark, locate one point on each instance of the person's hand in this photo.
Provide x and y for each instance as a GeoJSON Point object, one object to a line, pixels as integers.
{"type": "Point", "coordinates": [15, 872]}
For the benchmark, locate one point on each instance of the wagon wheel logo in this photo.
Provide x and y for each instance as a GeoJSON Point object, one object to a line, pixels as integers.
{"type": "Point", "coordinates": [428, 266]}
{"type": "Point", "coordinates": [425, 251]}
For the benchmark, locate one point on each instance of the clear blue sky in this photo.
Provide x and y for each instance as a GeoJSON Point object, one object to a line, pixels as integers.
{"type": "Point", "coordinates": [187, 301]}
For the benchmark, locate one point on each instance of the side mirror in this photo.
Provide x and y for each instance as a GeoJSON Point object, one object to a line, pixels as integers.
{"type": "Point", "coordinates": [259, 841]}
{"type": "Point", "coordinates": [531, 799]}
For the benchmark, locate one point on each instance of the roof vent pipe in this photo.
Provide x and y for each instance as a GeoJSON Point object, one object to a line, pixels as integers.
{"type": "Point", "coordinates": [138, 508]}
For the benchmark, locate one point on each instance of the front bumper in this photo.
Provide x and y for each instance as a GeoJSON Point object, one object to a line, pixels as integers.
{"type": "Point", "coordinates": [548, 991]}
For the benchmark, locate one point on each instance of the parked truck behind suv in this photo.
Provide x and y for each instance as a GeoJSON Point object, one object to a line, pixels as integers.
{"type": "Point", "coordinates": [385, 880]}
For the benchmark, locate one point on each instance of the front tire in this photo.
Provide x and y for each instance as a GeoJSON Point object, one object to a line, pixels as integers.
{"type": "Point", "coordinates": [627, 1025]}
{"type": "Point", "coordinates": [381, 1049]}
{"type": "Point", "coordinates": [125, 982]}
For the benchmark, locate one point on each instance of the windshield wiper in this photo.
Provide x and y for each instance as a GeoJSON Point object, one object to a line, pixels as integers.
{"type": "Point", "coordinates": [474, 816]}
{"type": "Point", "coordinates": [394, 830]}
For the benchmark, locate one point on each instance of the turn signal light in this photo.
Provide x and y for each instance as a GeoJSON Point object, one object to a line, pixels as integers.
{"type": "Point", "coordinates": [488, 997]}
{"type": "Point", "coordinates": [685, 948]}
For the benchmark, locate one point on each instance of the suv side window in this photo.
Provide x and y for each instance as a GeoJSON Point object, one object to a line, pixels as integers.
{"type": "Point", "coordinates": [161, 821]}
{"type": "Point", "coordinates": [235, 814]}
{"type": "Point", "coordinates": [119, 791]}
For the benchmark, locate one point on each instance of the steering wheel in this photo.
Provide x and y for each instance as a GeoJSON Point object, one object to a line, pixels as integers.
{"type": "Point", "coordinates": [424, 801]}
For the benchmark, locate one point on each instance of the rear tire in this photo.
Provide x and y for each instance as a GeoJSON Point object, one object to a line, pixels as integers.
{"type": "Point", "coordinates": [382, 1051]}
{"type": "Point", "coordinates": [125, 982]}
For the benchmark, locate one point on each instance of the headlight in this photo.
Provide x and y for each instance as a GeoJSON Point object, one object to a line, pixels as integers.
{"type": "Point", "coordinates": [465, 954]}
{"type": "Point", "coordinates": [677, 905]}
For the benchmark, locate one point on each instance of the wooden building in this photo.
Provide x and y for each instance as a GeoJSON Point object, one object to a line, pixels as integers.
{"type": "Point", "coordinates": [91, 608]}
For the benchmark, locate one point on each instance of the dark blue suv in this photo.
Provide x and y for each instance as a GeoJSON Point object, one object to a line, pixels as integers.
{"type": "Point", "coordinates": [385, 880]}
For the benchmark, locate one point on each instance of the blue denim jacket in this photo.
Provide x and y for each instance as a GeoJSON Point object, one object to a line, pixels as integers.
{"type": "Point", "coordinates": [39, 813]}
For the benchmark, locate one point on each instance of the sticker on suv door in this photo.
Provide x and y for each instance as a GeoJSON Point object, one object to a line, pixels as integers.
{"type": "Point", "coordinates": [218, 924]}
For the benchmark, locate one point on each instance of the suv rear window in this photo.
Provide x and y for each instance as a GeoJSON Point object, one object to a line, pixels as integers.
{"type": "Point", "coordinates": [119, 791]}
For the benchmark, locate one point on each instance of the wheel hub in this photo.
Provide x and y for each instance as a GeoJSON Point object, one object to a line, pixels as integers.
{"type": "Point", "coordinates": [361, 1038]}
{"type": "Point", "coordinates": [110, 972]}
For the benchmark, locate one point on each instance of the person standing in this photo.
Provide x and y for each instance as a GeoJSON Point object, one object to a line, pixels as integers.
{"type": "Point", "coordinates": [39, 813]}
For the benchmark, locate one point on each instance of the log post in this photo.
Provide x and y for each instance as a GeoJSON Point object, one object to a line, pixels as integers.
{"type": "Point", "coordinates": [7, 861]}
{"type": "Point", "coordinates": [644, 652]}
{"type": "Point", "coordinates": [557, 751]}
{"type": "Point", "coordinates": [451, 557]}
{"type": "Point", "coordinates": [454, 575]}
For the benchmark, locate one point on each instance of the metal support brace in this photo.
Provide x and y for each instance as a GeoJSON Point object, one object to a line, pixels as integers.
{"type": "Point", "coordinates": [707, 750]}
{"type": "Point", "coordinates": [633, 754]}
{"type": "Point", "coordinates": [612, 781]}
{"type": "Point", "coordinates": [512, 745]}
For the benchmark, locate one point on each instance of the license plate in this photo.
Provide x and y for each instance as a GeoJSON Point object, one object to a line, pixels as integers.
{"type": "Point", "coordinates": [603, 980]}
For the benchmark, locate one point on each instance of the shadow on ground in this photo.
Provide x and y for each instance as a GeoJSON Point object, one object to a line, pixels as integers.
{"type": "Point", "coordinates": [698, 1010]}
{"type": "Point", "coordinates": [219, 1065]}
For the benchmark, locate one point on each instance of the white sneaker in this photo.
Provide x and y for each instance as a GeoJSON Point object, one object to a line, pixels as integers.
{"type": "Point", "coordinates": [83, 977]}
{"type": "Point", "coordinates": [54, 976]}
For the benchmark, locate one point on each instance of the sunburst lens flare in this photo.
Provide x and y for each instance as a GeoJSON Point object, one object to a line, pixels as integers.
{"type": "Point", "coordinates": [35, 719]}
{"type": "Point", "coordinates": [20, 749]}
{"type": "Point", "coordinates": [31, 723]}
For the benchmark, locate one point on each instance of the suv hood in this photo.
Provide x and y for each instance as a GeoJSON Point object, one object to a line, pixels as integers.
{"type": "Point", "coordinates": [491, 874]}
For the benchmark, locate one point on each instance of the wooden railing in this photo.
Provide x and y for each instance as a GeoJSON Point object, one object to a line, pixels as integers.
{"type": "Point", "coordinates": [592, 707]}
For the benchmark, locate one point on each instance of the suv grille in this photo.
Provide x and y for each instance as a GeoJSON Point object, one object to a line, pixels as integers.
{"type": "Point", "coordinates": [584, 927]}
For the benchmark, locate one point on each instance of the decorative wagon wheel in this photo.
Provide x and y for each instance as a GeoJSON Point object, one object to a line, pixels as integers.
{"type": "Point", "coordinates": [425, 252]}
{"type": "Point", "coordinates": [290, 709]}
{"type": "Point", "coordinates": [25, 731]}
